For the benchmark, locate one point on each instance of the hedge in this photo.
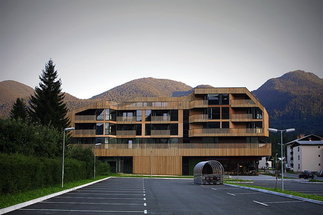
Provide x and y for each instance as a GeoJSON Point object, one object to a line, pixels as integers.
{"type": "Point", "coordinates": [20, 173]}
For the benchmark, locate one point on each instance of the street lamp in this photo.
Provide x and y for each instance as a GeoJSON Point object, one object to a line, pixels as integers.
{"type": "Point", "coordinates": [94, 159]}
{"type": "Point", "coordinates": [65, 129]}
{"type": "Point", "coordinates": [281, 148]}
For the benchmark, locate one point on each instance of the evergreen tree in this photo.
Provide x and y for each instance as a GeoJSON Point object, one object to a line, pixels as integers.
{"type": "Point", "coordinates": [19, 110]}
{"type": "Point", "coordinates": [47, 106]}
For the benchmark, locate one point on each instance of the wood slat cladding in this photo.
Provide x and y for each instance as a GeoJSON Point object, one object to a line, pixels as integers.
{"type": "Point", "coordinates": [234, 120]}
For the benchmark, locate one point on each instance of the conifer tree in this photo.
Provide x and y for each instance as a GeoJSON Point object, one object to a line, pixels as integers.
{"type": "Point", "coordinates": [19, 110]}
{"type": "Point", "coordinates": [47, 105]}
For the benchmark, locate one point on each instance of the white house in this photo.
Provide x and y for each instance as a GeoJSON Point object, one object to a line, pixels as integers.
{"type": "Point", "coordinates": [305, 153]}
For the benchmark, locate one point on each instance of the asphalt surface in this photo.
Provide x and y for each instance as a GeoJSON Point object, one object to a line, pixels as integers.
{"type": "Point", "coordinates": [167, 196]}
{"type": "Point", "coordinates": [297, 185]}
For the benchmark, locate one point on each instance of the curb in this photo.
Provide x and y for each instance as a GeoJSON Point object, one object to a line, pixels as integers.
{"type": "Point", "coordinates": [33, 201]}
{"type": "Point", "coordinates": [279, 194]}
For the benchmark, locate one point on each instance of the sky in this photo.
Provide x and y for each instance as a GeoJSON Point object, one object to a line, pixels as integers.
{"type": "Point", "coordinates": [100, 44]}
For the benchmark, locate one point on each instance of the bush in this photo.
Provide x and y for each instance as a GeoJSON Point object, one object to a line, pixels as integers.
{"type": "Point", "coordinates": [21, 173]}
{"type": "Point", "coordinates": [19, 137]}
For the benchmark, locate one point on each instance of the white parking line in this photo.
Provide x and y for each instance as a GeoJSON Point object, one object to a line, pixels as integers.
{"type": "Point", "coordinates": [78, 197]}
{"type": "Point", "coordinates": [82, 211]}
{"type": "Point", "coordinates": [282, 202]}
{"type": "Point", "coordinates": [246, 193]}
{"type": "Point", "coordinates": [96, 191]}
{"type": "Point", "coordinates": [110, 194]}
{"type": "Point", "coordinates": [90, 203]}
{"type": "Point", "coordinates": [232, 194]}
{"type": "Point", "coordinates": [261, 203]}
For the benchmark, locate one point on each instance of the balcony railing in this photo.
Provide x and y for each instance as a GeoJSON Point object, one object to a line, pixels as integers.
{"type": "Point", "coordinates": [126, 118]}
{"type": "Point", "coordinates": [198, 118]}
{"type": "Point", "coordinates": [85, 132]}
{"type": "Point", "coordinates": [199, 103]}
{"type": "Point", "coordinates": [160, 132]}
{"type": "Point", "coordinates": [126, 133]}
{"type": "Point", "coordinates": [217, 131]}
{"type": "Point", "coordinates": [85, 117]}
{"type": "Point", "coordinates": [241, 116]}
{"type": "Point", "coordinates": [160, 118]}
{"type": "Point", "coordinates": [242, 102]}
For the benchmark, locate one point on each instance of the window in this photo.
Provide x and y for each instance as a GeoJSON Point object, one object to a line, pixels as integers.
{"type": "Point", "coordinates": [107, 114]}
{"type": "Point", "coordinates": [99, 114]}
{"type": "Point", "coordinates": [225, 99]}
{"type": "Point", "coordinates": [225, 124]}
{"type": "Point", "coordinates": [214, 113]}
{"type": "Point", "coordinates": [148, 115]}
{"type": "Point", "coordinates": [298, 157]}
{"type": "Point", "coordinates": [298, 148]}
{"type": "Point", "coordinates": [138, 130]}
{"type": "Point", "coordinates": [213, 99]}
{"type": "Point", "coordinates": [107, 129]}
{"type": "Point", "coordinates": [99, 129]}
{"type": "Point", "coordinates": [225, 113]}
{"type": "Point", "coordinates": [299, 166]}
{"type": "Point", "coordinates": [173, 129]}
{"type": "Point", "coordinates": [138, 115]}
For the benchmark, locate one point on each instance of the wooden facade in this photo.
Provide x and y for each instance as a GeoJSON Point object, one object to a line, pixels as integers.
{"type": "Point", "coordinates": [158, 132]}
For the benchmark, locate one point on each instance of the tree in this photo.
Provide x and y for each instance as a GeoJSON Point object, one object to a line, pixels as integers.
{"type": "Point", "coordinates": [19, 110]}
{"type": "Point", "coordinates": [47, 105]}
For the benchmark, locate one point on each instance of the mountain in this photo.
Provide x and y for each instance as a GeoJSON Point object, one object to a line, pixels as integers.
{"type": "Point", "coordinates": [294, 100]}
{"type": "Point", "coordinates": [143, 87]}
{"type": "Point", "coordinates": [11, 90]}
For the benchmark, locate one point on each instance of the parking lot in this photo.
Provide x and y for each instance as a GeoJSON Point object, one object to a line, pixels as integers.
{"type": "Point", "coordinates": [167, 196]}
{"type": "Point", "coordinates": [112, 196]}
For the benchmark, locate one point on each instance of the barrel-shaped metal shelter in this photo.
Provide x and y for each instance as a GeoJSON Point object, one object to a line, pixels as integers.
{"type": "Point", "coordinates": [208, 172]}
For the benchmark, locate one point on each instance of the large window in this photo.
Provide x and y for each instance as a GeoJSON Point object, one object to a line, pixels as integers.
{"type": "Point", "coordinates": [138, 115]}
{"type": "Point", "coordinates": [218, 99]}
{"type": "Point", "coordinates": [99, 129]}
{"type": "Point", "coordinates": [225, 112]}
{"type": "Point", "coordinates": [214, 113]}
{"type": "Point", "coordinates": [148, 115]}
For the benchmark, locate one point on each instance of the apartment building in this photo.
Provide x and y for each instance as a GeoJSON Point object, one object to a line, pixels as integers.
{"type": "Point", "coordinates": [305, 153]}
{"type": "Point", "coordinates": [168, 136]}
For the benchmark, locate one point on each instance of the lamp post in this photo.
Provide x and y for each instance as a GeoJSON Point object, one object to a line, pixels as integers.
{"type": "Point", "coordinates": [281, 148]}
{"type": "Point", "coordinates": [94, 159]}
{"type": "Point", "coordinates": [63, 160]}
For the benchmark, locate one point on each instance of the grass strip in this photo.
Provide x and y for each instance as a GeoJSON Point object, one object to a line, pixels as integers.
{"type": "Point", "coordinates": [7, 200]}
{"type": "Point", "coordinates": [148, 176]}
{"type": "Point", "coordinates": [288, 192]}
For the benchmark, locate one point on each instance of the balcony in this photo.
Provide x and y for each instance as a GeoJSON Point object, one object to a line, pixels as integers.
{"type": "Point", "coordinates": [242, 117]}
{"type": "Point", "coordinates": [185, 149]}
{"type": "Point", "coordinates": [160, 133]}
{"type": "Point", "coordinates": [199, 118]}
{"type": "Point", "coordinates": [199, 103]}
{"type": "Point", "coordinates": [160, 118]}
{"type": "Point", "coordinates": [226, 132]}
{"type": "Point", "coordinates": [126, 133]}
{"type": "Point", "coordinates": [242, 103]}
{"type": "Point", "coordinates": [126, 119]}
{"type": "Point", "coordinates": [85, 118]}
{"type": "Point", "coordinates": [85, 132]}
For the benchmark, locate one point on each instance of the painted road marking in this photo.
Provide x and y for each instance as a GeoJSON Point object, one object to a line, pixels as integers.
{"type": "Point", "coordinates": [89, 191]}
{"type": "Point", "coordinates": [144, 199]}
{"type": "Point", "coordinates": [110, 194]}
{"type": "Point", "coordinates": [145, 204]}
{"type": "Point", "coordinates": [232, 194]}
{"type": "Point", "coordinates": [245, 193]}
{"type": "Point", "coordinates": [213, 188]}
{"type": "Point", "coordinates": [281, 202]}
{"type": "Point", "coordinates": [261, 203]}
{"type": "Point", "coordinates": [82, 211]}
{"type": "Point", "coordinates": [90, 203]}
{"type": "Point", "coordinates": [66, 197]}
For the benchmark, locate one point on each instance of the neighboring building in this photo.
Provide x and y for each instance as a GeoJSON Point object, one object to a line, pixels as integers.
{"type": "Point", "coordinates": [168, 136]}
{"type": "Point", "coordinates": [265, 163]}
{"type": "Point", "coordinates": [305, 153]}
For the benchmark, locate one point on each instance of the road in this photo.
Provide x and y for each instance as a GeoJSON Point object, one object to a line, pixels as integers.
{"type": "Point", "coordinates": [167, 196]}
